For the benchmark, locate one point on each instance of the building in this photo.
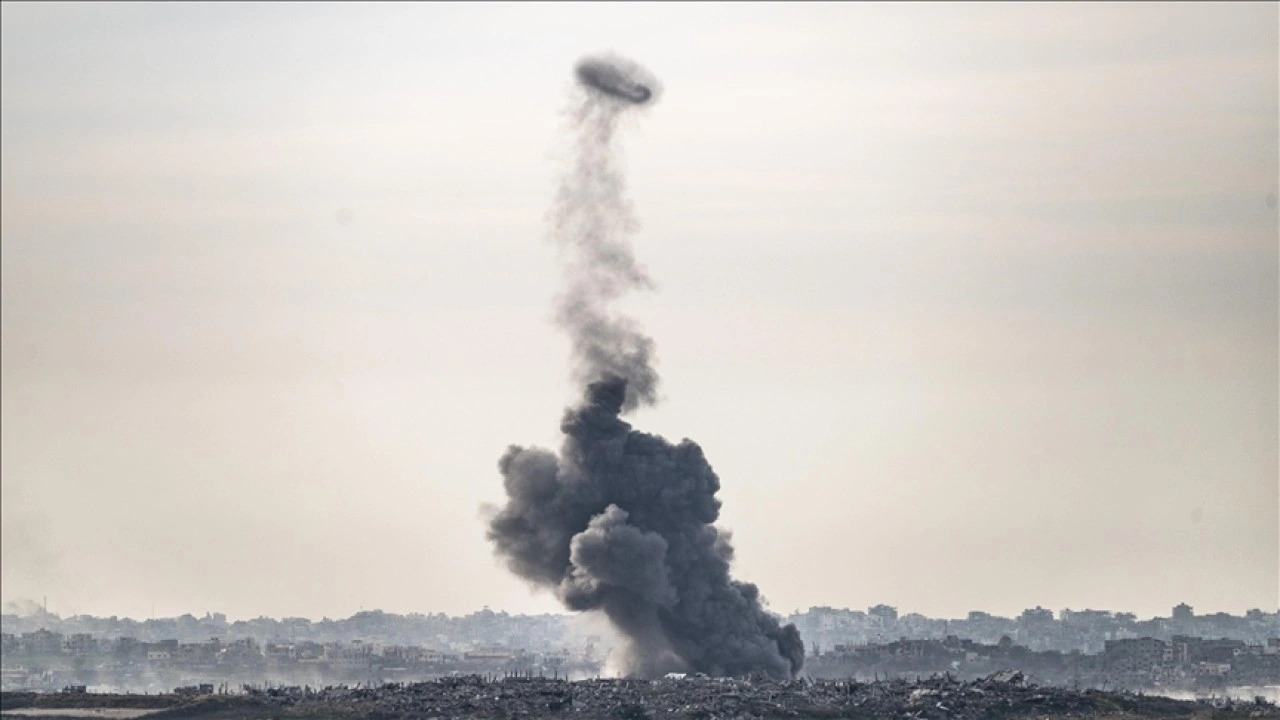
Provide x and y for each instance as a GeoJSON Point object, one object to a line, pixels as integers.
{"type": "Point", "coordinates": [80, 644]}
{"type": "Point", "coordinates": [1133, 655]}
{"type": "Point", "coordinates": [1035, 615]}
{"type": "Point", "coordinates": [886, 613]}
{"type": "Point", "coordinates": [42, 641]}
{"type": "Point", "coordinates": [1181, 649]}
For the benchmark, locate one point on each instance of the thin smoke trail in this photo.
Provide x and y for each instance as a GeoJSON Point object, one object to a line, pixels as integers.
{"type": "Point", "coordinates": [591, 219]}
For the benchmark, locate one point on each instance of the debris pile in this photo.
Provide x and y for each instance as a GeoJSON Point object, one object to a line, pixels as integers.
{"type": "Point", "coordinates": [1003, 695]}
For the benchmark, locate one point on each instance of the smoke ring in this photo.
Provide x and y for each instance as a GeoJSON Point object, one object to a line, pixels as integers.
{"type": "Point", "coordinates": [617, 78]}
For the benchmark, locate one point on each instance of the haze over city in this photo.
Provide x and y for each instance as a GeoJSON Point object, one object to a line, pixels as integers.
{"type": "Point", "coordinates": [970, 307]}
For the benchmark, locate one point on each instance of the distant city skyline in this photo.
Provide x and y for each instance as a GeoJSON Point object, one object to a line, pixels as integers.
{"type": "Point", "coordinates": [29, 609]}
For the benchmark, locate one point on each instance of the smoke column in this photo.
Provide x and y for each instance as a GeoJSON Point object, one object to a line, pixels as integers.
{"type": "Point", "coordinates": [622, 522]}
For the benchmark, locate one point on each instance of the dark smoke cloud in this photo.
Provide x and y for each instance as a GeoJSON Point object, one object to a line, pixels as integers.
{"type": "Point", "coordinates": [623, 522]}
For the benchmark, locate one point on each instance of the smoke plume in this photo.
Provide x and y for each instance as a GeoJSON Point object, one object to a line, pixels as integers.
{"type": "Point", "coordinates": [623, 522]}
{"type": "Point", "coordinates": [590, 221]}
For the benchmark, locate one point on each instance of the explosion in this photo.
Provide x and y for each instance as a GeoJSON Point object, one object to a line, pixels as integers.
{"type": "Point", "coordinates": [620, 521]}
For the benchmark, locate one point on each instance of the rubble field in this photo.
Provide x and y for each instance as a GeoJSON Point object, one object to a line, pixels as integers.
{"type": "Point", "coordinates": [1003, 695]}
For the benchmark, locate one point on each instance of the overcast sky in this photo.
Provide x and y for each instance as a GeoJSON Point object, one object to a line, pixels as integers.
{"type": "Point", "coordinates": [970, 306]}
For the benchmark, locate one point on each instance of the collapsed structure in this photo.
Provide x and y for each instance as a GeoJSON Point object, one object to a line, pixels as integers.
{"type": "Point", "coordinates": [621, 521]}
{"type": "Point", "coordinates": [1002, 695]}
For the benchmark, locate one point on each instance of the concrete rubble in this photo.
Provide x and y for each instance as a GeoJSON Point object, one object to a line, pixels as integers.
{"type": "Point", "coordinates": [1003, 695]}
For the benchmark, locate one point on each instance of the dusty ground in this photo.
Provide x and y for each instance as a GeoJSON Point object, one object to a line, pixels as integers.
{"type": "Point", "coordinates": [1004, 695]}
{"type": "Point", "coordinates": [78, 712]}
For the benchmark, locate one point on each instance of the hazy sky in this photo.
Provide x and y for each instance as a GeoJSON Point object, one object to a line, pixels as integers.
{"type": "Point", "coordinates": [971, 307]}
